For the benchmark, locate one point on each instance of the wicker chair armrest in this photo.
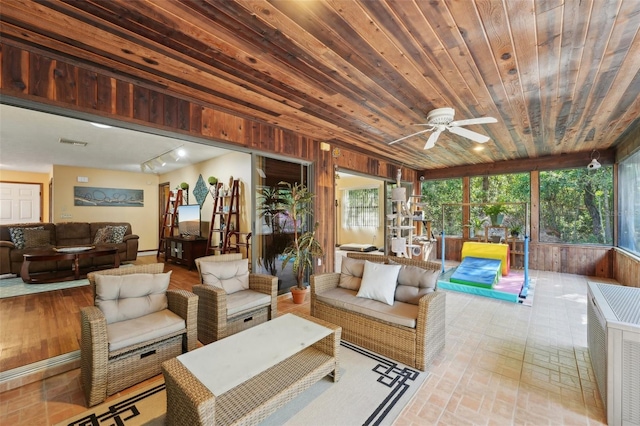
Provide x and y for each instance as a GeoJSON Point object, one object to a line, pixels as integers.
{"type": "Point", "coordinates": [267, 284]}
{"type": "Point", "coordinates": [430, 328]}
{"type": "Point", "coordinates": [185, 304]}
{"type": "Point", "coordinates": [94, 354]}
{"type": "Point", "coordinates": [324, 282]}
{"type": "Point", "coordinates": [429, 304]}
{"type": "Point", "coordinates": [212, 312]}
{"type": "Point", "coordinates": [263, 283]}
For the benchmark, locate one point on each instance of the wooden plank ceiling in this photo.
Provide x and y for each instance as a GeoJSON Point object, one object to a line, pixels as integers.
{"type": "Point", "coordinates": [561, 76]}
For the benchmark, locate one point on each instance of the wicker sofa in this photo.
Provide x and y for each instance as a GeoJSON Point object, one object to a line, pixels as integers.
{"type": "Point", "coordinates": [64, 234]}
{"type": "Point", "coordinates": [415, 339]}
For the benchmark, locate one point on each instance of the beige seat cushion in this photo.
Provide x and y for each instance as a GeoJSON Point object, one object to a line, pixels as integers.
{"type": "Point", "coordinates": [351, 272]}
{"type": "Point", "coordinates": [138, 330]}
{"type": "Point", "coordinates": [246, 300]}
{"type": "Point", "coordinates": [414, 282]}
{"type": "Point", "coordinates": [231, 276]}
{"type": "Point", "coordinates": [124, 297]}
{"type": "Point", "coordinates": [399, 313]}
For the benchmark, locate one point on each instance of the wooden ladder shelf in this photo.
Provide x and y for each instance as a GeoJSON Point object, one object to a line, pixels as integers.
{"type": "Point", "coordinates": [225, 221]}
{"type": "Point", "coordinates": [169, 219]}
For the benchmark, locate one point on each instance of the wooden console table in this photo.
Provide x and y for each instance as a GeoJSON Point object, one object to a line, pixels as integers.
{"type": "Point", "coordinates": [184, 251]}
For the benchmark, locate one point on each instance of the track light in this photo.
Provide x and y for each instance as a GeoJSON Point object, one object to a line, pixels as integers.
{"type": "Point", "coordinates": [594, 164]}
{"type": "Point", "coordinates": [161, 160]}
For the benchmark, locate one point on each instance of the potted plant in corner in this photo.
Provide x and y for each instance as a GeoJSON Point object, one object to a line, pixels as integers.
{"type": "Point", "coordinates": [304, 247]}
{"type": "Point", "coordinates": [496, 213]}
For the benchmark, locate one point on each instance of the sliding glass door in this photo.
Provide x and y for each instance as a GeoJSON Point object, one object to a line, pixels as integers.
{"type": "Point", "coordinates": [273, 231]}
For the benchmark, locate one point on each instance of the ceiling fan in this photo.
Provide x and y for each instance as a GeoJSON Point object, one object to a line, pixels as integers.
{"type": "Point", "coordinates": [441, 119]}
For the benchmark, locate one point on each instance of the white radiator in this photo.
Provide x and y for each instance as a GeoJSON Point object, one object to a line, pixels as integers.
{"type": "Point", "coordinates": [613, 335]}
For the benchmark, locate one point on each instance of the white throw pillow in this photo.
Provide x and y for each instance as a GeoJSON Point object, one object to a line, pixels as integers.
{"type": "Point", "coordinates": [379, 282]}
{"type": "Point", "coordinates": [124, 297]}
{"type": "Point", "coordinates": [231, 276]}
{"type": "Point", "coordinates": [351, 271]}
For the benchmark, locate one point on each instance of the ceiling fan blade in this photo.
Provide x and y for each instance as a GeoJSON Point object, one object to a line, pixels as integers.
{"type": "Point", "coordinates": [479, 120]}
{"type": "Point", "coordinates": [476, 137]}
{"type": "Point", "coordinates": [432, 139]}
{"type": "Point", "coordinates": [411, 135]}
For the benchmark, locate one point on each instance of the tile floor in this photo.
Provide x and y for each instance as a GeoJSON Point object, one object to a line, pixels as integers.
{"type": "Point", "coordinates": [503, 364]}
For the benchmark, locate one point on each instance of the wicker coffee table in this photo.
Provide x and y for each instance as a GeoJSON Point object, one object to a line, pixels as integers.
{"type": "Point", "coordinates": [245, 377]}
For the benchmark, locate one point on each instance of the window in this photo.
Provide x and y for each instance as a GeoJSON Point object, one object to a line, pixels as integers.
{"type": "Point", "coordinates": [361, 208]}
{"type": "Point", "coordinates": [435, 193]}
{"type": "Point", "coordinates": [576, 206]}
{"type": "Point", "coordinates": [629, 204]}
{"type": "Point", "coordinates": [505, 188]}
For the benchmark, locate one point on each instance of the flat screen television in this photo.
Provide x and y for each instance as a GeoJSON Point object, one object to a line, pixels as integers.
{"type": "Point", "coordinates": [189, 220]}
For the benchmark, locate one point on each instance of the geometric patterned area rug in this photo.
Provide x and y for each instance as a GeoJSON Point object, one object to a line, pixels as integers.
{"type": "Point", "coordinates": [12, 287]}
{"type": "Point", "coordinates": [372, 390]}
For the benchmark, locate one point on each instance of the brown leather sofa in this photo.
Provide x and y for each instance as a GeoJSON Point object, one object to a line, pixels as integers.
{"type": "Point", "coordinates": [64, 235]}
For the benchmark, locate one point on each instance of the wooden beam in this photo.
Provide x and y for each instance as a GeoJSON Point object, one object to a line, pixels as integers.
{"type": "Point", "coordinates": [563, 161]}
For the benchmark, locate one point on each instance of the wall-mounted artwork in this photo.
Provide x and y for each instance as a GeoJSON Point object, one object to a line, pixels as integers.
{"type": "Point", "coordinates": [109, 197]}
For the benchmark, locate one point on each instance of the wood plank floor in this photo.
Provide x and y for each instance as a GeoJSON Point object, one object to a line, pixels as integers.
{"type": "Point", "coordinates": [40, 326]}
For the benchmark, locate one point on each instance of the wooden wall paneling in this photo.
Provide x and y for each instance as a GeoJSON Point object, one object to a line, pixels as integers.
{"type": "Point", "coordinates": [626, 268]}
{"type": "Point", "coordinates": [65, 79]}
{"type": "Point", "coordinates": [141, 103]}
{"type": "Point", "coordinates": [170, 111]}
{"type": "Point", "coordinates": [534, 212]}
{"type": "Point", "coordinates": [156, 108]}
{"type": "Point", "coordinates": [195, 117]}
{"type": "Point", "coordinates": [106, 94]}
{"type": "Point", "coordinates": [87, 89]}
{"type": "Point", "coordinates": [40, 71]}
{"type": "Point", "coordinates": [124, 93]}
{"type": "Point", "coordinates": [15, 69]}
{"type": "Point", "coordinates": [324, 207]}
{"type": "Point", "coordinates": [183, 114]}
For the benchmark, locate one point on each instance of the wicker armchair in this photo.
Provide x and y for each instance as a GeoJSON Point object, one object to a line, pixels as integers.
{"type": "Point", "coordinates": [105, 371]}
{"type": "Point", "coordinates": [214, 321]}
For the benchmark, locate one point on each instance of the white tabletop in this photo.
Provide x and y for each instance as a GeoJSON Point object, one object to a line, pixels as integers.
{"type": "Point", "coordinates": [225, 364]}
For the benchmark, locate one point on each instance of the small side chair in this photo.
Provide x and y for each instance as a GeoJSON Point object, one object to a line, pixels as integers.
{"type": "Point", "coordinates": [134, 326]}
{"type": "Point", "coordinates": [230, 298]}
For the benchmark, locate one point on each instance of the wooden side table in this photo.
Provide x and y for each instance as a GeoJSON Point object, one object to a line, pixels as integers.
{"type": "Point", "coordinates": [184, 251]}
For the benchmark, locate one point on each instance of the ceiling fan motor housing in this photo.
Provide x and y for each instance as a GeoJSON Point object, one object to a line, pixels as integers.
{"type": "Point", "coordinates": [441, 116]}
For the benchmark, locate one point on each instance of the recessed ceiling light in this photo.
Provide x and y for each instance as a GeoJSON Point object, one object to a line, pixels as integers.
{"type": "Point", "coordinates": [182, 152]}
{"type": "Point", "coordinates": [478, 148]}
{"type": "Point", "coordinates": [101, 126]}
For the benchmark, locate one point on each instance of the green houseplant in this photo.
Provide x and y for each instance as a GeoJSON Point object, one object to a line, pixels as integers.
{"type": "Point", "coordinates": [496, 213]}
{"type": "Point", "coordinates": [304, 247]}
{"type": "Point", "coordinates": [477, 223]}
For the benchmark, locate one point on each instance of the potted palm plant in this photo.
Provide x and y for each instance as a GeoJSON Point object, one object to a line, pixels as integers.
{"type": "Point", "coordinates": [304, 247]}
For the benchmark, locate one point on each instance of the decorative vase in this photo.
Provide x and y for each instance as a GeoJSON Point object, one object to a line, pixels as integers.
{"type": "Point", "coordinates": [298, 295]}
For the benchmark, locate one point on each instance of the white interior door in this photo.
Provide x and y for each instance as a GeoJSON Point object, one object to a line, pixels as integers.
{"type": "Point", "coordinates": [20, 203]}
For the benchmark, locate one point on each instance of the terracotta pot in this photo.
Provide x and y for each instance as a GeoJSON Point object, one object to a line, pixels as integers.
{"type": "Point", "coordinates": [298, 295]}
